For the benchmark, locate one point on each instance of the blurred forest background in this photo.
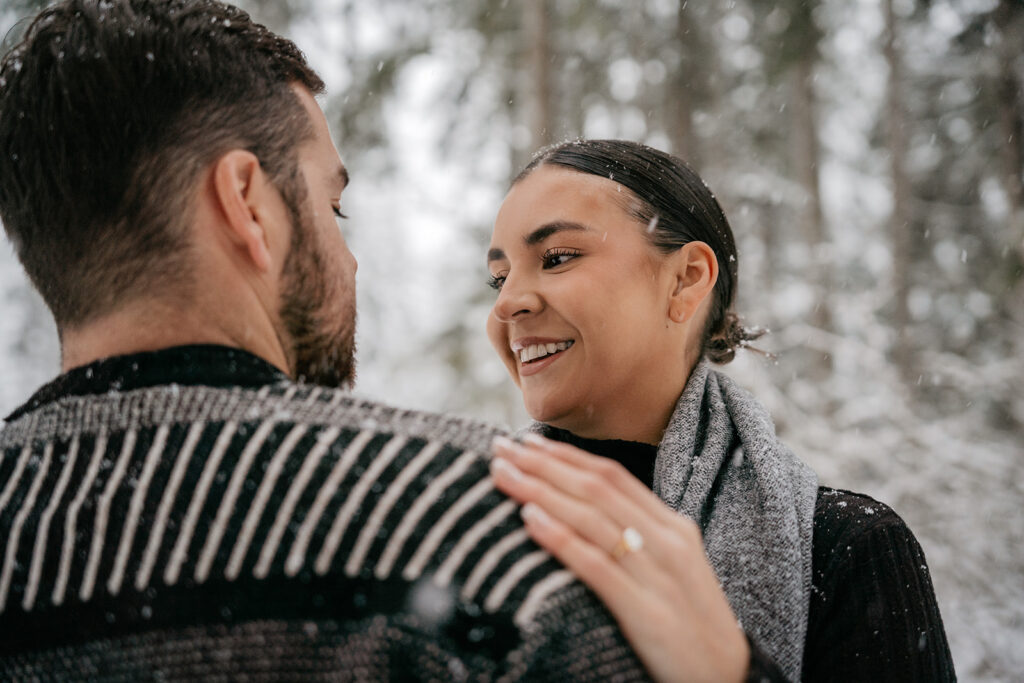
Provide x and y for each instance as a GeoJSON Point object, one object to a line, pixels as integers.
{"type": "Point", "coordinates": [869, 154]}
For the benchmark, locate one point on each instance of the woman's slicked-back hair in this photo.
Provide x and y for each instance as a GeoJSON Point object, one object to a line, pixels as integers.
{"type": "Point", "coordinates": [109, 112]}
{"type": "Point", "coordinates": [677, 207]}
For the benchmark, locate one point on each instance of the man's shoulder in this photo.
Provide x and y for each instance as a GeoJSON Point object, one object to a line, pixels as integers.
{"type": "Point", "coordinates": [284, 480]}
{"type": "Point", "coordinates": [341, 407]}
{"type": "Point", "coordinates": [281, 402]}
{"type": "Point", "coordinates": [164, 492]}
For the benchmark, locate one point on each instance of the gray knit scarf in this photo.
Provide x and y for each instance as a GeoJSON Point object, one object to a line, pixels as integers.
{"type": "Point", "coordinates": [721, 464]}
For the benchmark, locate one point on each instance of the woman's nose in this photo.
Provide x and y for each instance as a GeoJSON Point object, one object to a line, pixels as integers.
{"type": "Point", "coordinates": [515, 300]}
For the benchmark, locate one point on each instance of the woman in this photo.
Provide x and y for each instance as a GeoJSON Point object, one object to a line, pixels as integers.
{"type": "Point", "coordinates": [616, 271]}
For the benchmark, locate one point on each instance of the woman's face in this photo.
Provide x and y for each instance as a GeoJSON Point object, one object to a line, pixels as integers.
{"type": "Point", "coordinates": [582, 315]}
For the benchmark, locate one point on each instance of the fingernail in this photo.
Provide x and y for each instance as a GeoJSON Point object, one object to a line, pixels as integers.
{"type": "Point", "coordinates": [507, 447]}
{"type": "Point", "coordinates": [502, 467]}
{"type": "Point", "coordinates": [536, 439]}
{"type": "Point", "coordinates": [503, 442]}
{"type": "Point", "coordinates": [534, 514]}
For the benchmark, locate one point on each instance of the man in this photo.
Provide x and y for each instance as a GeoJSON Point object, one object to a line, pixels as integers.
{"type": "Point", "coordinates": [195, 496]}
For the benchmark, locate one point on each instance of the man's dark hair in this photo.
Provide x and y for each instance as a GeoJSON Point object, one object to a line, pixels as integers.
{"type": "Point", "coordinates": [109, 112]}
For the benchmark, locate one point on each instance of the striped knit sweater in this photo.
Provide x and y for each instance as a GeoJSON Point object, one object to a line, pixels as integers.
{"type": "Point", "coordinates": [192, 513]}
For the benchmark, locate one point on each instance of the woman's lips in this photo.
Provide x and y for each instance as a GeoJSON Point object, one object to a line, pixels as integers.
{"type": "Point", "coordinates": [530, 349]}
{"type": "Point", "coordinates": [540, 355]}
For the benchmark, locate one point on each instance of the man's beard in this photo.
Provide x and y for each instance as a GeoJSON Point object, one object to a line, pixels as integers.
{"type": "Point", "coordinates": [320, 324]}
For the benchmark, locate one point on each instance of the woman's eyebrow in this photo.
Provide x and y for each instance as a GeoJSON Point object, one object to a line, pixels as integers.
{"type": "Point", "coordinates": [539, 235]}
{"type": "Point", "coordinates": [549, 229]}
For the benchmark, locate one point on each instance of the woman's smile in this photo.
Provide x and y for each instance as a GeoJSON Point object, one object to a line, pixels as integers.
{"type": "Point", "coordinates": [535, 354]}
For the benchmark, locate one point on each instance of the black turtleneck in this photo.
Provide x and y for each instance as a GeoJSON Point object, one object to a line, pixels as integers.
{"type": "Point", "coordinates": [636, 457]}
{"type": "Point", "coordinates": [873, 614]}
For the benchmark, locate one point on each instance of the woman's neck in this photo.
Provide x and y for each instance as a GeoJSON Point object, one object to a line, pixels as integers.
{"type": "Point", "coordinates": [637, 458]}
{"type": "Point", "coordinates": [642, 418]}
{"type": "Point", "coordinates": [640, 425]}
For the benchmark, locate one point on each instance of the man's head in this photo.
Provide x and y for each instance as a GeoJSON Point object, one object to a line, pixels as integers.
{"type": "Point", "coordinates": [115, 117]}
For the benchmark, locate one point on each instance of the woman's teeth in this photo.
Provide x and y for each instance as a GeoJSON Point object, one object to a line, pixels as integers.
{"type": "Point", "coordinates": [535, 351]}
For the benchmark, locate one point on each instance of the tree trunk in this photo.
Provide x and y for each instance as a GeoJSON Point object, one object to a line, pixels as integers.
{"type": "Point", "coordinates": [1010, 103]}
{"type": "Point", "coordinates": [807, 155]}
{"type": "Point", "coordinates": [900, 224]}
{"type": "Point", "coordinates": [1010, 18]}
{"type": "Point", "coordinates": [541, 115]}
{"type": "Point", "coordinates": [1010, 118]}
{"type": "Point", "coordinates": [681, 94]}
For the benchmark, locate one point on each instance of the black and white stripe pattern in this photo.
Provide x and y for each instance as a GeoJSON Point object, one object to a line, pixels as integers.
{"type": "Point", "coordinates": [44, 528]}
{"type": "Point", "coordinates": [14, 534]}
{"type": "Point", "coordinates": [192, 500]}
{"type": "Point", "coordinates": [156, 534]}
{"type": "Point", "coordinates": [102, 518]}
{"type": "Point", "coordinates": [253, 498]}
{"type": "Point", "coordinates": [180, 552]}
{"type": "Point", "coordinates": [419, 510]}
{"type": "Point", "coordinates": [71, 519]}
{"type": "Point", "coordinates": [297, 556]}
{"type": "Point", "coordinates": [354, 501]}
{"type": "Point", "coordinates": [287, 510]}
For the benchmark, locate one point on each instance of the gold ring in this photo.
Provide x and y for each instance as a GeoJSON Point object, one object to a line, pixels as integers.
{"type": "Point", "coordinates": [630, 542]}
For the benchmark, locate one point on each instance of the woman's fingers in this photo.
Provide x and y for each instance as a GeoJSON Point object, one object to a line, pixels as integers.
{"type": "Point", "coordinates": [659, 621]}
{"type": "Point", "coordinates": [663, 592]}
{"type": "Point", "coordinates": [583, 518]}
{"type": "Point", "coordinates": [584, 484]}
{"type": "Point", "coordinates": [591, 524]}
{"type": "Point", "coordinates": [606, 467]}
{"type": "Point", "coordinates": [592, 565]}
{"type": "Point", "coordinates": [595, 505]}
{"type": "Point", "coordinates": [588, 477]}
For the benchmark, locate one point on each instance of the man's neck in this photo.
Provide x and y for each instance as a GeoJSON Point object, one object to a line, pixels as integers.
{"type": "Point", "coordinates": [151, 326]}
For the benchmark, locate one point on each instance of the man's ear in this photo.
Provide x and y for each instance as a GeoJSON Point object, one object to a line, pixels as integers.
{"type": "Point", "coordinates": [696, 271]}
{"type": "Point", "coordinates": [241, 189]}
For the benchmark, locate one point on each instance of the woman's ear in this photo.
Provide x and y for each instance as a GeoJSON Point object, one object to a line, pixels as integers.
{"type": "Point", "coordinates": [241, 189]}
{"type": "Point", "coordinates": [696, 271]}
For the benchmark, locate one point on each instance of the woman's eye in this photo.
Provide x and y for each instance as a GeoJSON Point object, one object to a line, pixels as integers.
{"type": "Point", "coordinates": [558, 257]}
{"type": "Point", "coordinates": [338, 213]}
{"type": "Point", "coordinates": [495, 282]}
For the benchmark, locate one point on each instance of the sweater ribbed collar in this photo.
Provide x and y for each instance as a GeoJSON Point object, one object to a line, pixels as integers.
{"type": "Point", "coordinates": [635, 456]}
{"type": "Point", "coordinates": [200, 364]}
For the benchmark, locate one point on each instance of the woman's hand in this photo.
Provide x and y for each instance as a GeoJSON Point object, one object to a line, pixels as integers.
{"type": "Point", "coordinates": [589, 512]}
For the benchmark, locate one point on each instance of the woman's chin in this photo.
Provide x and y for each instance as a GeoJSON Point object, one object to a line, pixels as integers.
{"type": "Point", "coordinates": [560, 415]}
{"type": "Point", "coordinates": [542, 411]}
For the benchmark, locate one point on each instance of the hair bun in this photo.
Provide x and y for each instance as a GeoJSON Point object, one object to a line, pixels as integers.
{"type": "Point", "coordinates": [732, 335]}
